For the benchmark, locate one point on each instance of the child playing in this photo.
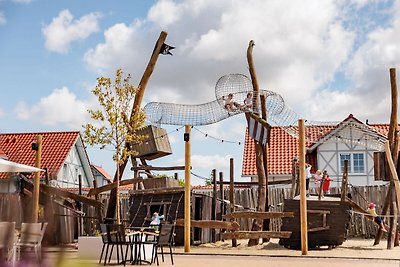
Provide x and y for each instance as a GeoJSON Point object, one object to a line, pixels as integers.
{"type": "Point", "coordinates": [326, 186]}
{"type": "Point", "coordinates": [155, 220]}
{"type": "Point", "coordinates": [318, 178]}
{"type": "Point", "coordinates": [377, 219]}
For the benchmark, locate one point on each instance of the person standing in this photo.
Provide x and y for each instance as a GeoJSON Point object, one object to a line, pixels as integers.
{"type": "Point", "coordinates": [326, 186]}
{"type": "Point", "coordinates": [308, 177]}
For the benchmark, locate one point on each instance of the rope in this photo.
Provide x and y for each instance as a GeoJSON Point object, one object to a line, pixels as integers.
{"type": "Point", "coordinates": [137, 211]}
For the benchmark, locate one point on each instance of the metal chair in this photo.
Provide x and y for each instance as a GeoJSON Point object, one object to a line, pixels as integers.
{"type": "Point", "coordinates": [31, 237]}
{"type": "Point", "coordinates": [116, 237]}
{"type": "Point", "coordinates": [103, 229]}
{"type": "Point", "coordinates": [7, 239]}
{"type": "Point", "coordinates": [164, 238]}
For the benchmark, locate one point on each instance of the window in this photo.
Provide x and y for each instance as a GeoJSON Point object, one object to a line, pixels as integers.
{"type": "Point", "coordinates": [344, 157]}
{"type": "Point", "coordinates": [356, 162]}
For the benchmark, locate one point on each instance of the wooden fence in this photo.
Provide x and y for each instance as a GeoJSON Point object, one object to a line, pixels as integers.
{"type": "Point", "coordinates": [246, 199]}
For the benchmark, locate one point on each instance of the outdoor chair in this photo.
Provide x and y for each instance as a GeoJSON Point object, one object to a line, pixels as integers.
{"type": "Point", "coordinates": [7, 239]}
{"type": "Point", "coordinates": [164, 238]}
{"type": "Point", "coordinates": [31, 237]}
{"type": "Point", "coordinates": [103, 229]}
{"type": "Point", "coordinates": [116, 237]}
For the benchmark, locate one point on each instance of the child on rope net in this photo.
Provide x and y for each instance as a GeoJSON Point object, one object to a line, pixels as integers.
{"type": "Point", "coordinates": [230, 105]}
{"type": "Point", "coordinates": [377, 219]}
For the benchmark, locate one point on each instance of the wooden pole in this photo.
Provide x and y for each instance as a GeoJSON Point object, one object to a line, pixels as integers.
{"type": "Point", "coordinates": [344, 181]}
{"type": "Point", "coordinates": [80, 205]}
{"type": "Point", "coordinates": [303, 200]}
{"type": "Point", "coordinates": [136, 106]}
{"type": "Point", "coordinates": [257, 224]}
{"type": "Point", "coordinates": [187, 189]}
{"type": "Point", "coordinates": [253, 76]}
{"type": "Point", "coordinates": [221, 192]}
{"type": "Point", "coordinates": [214, 202]}
{"type": "Point", "coordinates": [294, 178]}
{"type": "Point", "coordinates": [266, 222]}
{"type": "Point", "coordinates": [232, 193]}
{"type": "Point", "coordinates": [36, 185]}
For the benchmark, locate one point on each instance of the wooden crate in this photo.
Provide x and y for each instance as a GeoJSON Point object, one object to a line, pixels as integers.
{"type": "Point", "coordinates": [155, 146]}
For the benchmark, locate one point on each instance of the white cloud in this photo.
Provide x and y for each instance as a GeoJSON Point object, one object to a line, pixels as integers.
{"type": "Point", "coordinates": [208, 162]}
{"type": "Point", "coordinates": [3, 19]}
{"type": "Point", "coordinates": [60, 107]}
{"type": "Point", "coordinates": [22, 1]}
{"type": "Point", "coordinates": [64, 30]}
{"type": "Point", "coordinates": [300, 51]}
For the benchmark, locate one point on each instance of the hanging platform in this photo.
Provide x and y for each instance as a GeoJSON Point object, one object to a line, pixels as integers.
{"type": "Point", "coordinates": [155, 146]}
{"type": "Point", "coordinates": [327, 221]}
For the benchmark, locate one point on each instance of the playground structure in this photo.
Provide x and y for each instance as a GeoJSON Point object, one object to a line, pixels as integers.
{"type": "Point", "coordinates": [239, 85]}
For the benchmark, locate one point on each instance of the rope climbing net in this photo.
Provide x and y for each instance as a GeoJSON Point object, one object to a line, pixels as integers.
{"type": "Point", "coordinates": [231, 93]}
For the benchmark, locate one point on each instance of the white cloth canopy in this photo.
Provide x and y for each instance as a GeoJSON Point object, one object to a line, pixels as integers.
{"type": "Point", "coordinates": [10, 166]}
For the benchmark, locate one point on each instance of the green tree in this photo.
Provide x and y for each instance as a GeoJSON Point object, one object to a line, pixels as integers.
{"type": "Point", "coordinates": [112, 125]}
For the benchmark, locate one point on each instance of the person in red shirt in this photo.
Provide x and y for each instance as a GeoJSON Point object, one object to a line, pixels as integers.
{"type": "Point", "coordinates": [326, 186]}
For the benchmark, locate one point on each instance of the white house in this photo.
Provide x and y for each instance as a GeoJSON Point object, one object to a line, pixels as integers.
{"type": "Point", "coordinates": [327, 148]}
{"type": "Point", "coordinates": [63, 156]}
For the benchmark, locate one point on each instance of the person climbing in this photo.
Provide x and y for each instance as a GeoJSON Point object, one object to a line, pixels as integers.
{"type": "Point", "coordinates": [248, 102]}
{"type": "Point", "coordinates": [377, 219]}
{"type": "Point", "coordinates": [230, 105]}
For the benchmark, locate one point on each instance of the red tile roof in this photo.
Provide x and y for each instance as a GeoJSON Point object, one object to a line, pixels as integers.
{"type": "Point", "coordinates": [104, 173]}
{"type": "Point", "coordinates": [283, 147]}
{"type": "Point", "coordinates": [55, 148]}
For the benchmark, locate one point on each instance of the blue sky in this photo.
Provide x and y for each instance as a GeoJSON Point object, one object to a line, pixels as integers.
{"type": "Point", "coordinates": [326, 58]}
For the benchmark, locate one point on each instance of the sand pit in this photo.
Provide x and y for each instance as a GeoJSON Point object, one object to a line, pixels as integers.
{"type": "Point", "coordinates": [353, 248]}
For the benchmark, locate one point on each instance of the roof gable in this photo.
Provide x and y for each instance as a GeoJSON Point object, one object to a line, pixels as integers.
{"type": "Point", "coordinates": [283, 147]}
{"type": "Point", "coordinates": [55, 148]}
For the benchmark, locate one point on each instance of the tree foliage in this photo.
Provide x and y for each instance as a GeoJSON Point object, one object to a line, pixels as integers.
{"type": "Point", "coordinates": [114, 125]}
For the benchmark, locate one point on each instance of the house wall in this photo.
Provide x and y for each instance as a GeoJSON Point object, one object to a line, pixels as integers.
{"type": "Point", "coordinates": [68, 176]}
{"type": "Point", "coordinates": [328, 158]}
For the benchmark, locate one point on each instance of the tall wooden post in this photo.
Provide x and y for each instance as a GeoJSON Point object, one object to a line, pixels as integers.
{"type": "Point", "coordinates": [214, 202]}
{"type": "Point", "coordinates": [136, 106]}
{"type": "Point", "coordinates": [257, 223]}
{"type": "Point", "coordinates": [221, 192]}
{"type": "Point", "coordinates": [344, 181]}
{"type": "Point", "coordinates": [187, 189]}
{"type": "Point", "coordinates": [303, 200]}
{"type": "Point", "coordinates": [231, 193]}
{"type": "Point", "coordinates": [36, 185]}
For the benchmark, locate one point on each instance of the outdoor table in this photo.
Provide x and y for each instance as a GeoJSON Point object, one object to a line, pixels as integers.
{"type": "Point", "coordinates": [138, 238]}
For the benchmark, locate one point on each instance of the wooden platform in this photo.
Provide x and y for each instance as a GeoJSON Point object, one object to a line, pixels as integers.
{"type": "Point", "coordinates": [327, 222]}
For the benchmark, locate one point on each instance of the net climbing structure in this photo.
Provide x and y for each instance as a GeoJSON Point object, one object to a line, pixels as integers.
{"type": "Point", "coordinates": [238, 87]}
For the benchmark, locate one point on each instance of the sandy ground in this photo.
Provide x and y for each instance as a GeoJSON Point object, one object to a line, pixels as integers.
{"type": "Point", "coordinates": [352, 253]}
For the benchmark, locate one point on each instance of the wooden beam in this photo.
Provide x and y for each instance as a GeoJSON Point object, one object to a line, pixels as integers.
{"type": "Point", "coordinates": [187, 204]}
{"type": "Point", "coordinates": [136, 106]}
{"type": "Point", "coordinates": [303, 200]}
{"type": "Point", "coordinates": [256, 234]}
{"type": "Point", "coordinates": [234, 226]}
{"type": "Point", "coordinates": [318, 211]}
{"type": "Point", "coordinates": [154, 168]}
{"type": "Point", "coordinates": [258, 215]}
{"type": "Point", "coordinates": [317, 229]}
{"type": "Point", "coordinates": [231, 193]}
{"type": "Point", "coordinates": [344, 181]}
{"type": "Point", "coordinates": [36, 184]}
{"type": "Point", "coordinates": [62, 193]}
{"type": "Point", "coordinates": [107, 187]}
{"type": "Point", "coordinates": [394, 177]}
